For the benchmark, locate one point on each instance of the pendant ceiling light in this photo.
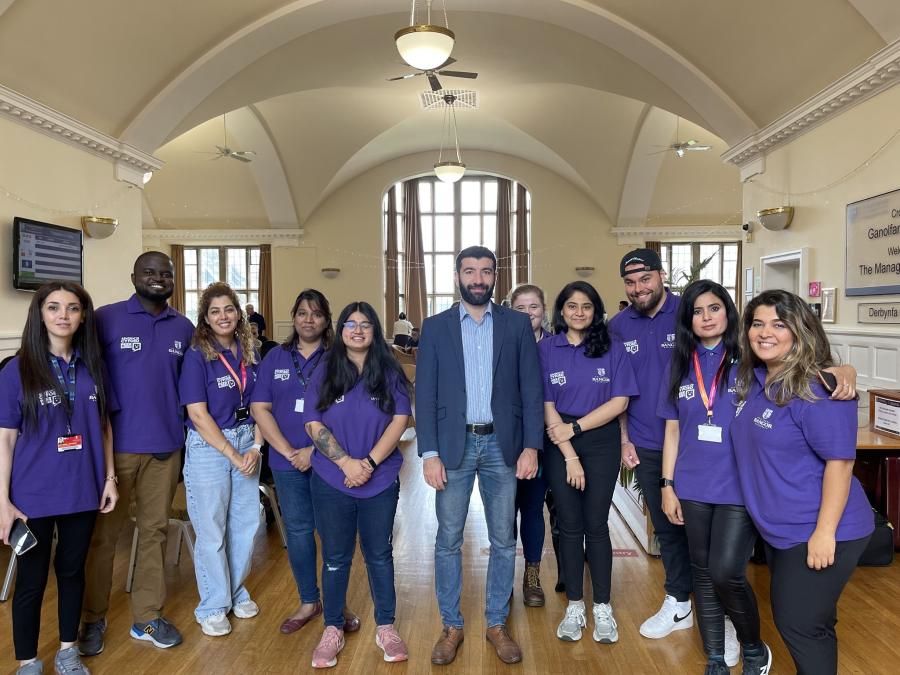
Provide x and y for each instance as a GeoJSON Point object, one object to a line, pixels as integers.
{"type": "Point", "coordinates": [425, 46]}
{"type": "Point", "coordinates": [449, 171]}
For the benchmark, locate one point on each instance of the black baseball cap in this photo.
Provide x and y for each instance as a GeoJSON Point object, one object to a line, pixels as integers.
{"type": "Point", "coordinates": [640, 256]}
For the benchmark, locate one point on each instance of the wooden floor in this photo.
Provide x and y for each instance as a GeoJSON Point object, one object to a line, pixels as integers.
{"type": "Point", "coordinates": [869, 628]}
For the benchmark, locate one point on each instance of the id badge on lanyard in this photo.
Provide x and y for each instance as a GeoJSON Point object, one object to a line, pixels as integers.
{"type": "Point", "coordinates": [70, 441]}
{"type": "Point", "coordinates": [242, 412]}
{"type": "Point", "coordinates": [709, 432]}
{"type": "Point", "coordinates": [302, 381]}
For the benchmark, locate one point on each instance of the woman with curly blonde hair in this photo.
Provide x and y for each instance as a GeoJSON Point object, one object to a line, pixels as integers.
{"type": "Point", "coordinates": [795, 449]}
{"type": "Point", "coordinates": [221, 470]}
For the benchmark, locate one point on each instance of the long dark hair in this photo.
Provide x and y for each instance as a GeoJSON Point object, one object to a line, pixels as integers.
{"type": "Point", "coordinates": [596, 337]}
{"type": "Point", "coordinates": [34, 365]}
{"type": "Point", "coordinates": [810, 353]}
{"type": "Point", "coordinates": [317, 301]}
{"type": "Point", "coordinates": [685, 340]}
{"type": "Point", "coordinates": [341, 374]}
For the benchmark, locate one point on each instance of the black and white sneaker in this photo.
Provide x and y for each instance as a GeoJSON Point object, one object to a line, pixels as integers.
{"type": "Point", "coordinates": [673, 615]}
{"type": "Point", "coordinates": [758, 665]}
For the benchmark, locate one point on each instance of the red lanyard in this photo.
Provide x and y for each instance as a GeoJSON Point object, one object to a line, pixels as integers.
{"type": "Point", "coordinates": [242, 383]}
{"type": "Point", "coordinates": [708, 399]}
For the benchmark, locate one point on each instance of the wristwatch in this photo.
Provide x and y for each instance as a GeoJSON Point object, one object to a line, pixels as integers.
{"type": "Point", "coordinates": [666, 482]}
{"type": "Point", "coordinates": [371, 461]}
{"type": "Point", "coordinates": [576, 428]}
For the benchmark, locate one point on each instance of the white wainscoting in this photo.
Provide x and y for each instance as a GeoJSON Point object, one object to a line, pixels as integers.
{"type": "Point", "coordinates": [9, 344]}
{"type": "Point", "coordinates": [874, 353]}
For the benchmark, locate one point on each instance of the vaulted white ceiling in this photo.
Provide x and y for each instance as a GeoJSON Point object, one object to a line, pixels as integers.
{"type": "Point", "coordinates": [566, 84]}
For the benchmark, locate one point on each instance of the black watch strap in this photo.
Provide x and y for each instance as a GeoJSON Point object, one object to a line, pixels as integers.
{"type": "Point", "coordinates": [576, 428]}
{"type": "Point", "coordinates": [371, 461]}
{"type": "Point", "coordinates": [666, 482]}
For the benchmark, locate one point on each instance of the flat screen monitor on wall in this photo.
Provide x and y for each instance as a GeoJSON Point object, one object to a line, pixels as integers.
{"type": "Point", "coordinates": [43, 252]}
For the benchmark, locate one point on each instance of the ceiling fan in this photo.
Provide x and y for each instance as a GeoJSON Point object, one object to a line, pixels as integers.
{"type": "Point", "coordinates": [432, 74]}
{"type": "Point", "coordinates": [680, 148]}
{"type": "Point", "coordinates": [225, 151]}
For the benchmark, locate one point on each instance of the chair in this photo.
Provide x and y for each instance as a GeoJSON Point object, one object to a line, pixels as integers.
{"type": "Point", "coordinates": [269, 492]}
{"type": "Point", "coordinates": [179, 519]}
{"type": "Point", "coordinates": [8, 577]}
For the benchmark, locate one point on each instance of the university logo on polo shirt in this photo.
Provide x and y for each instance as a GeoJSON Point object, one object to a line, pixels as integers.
{"type": "Point", "coordinates": [558, 378]}
{"type": "Point", "coordinates": [670, 341]}
{"type": "Point", "coordinates": [177, 348]}
{"type": "Point", "coordinates": [49, 397]}
{"type": "Point", "coordinates": [763, 420]}
{"type": "Point", "coordinates": [632, 346]}
{"type": "Point", "coordinates": [686, 391]}
{"type": "Point", "coordinates": [132, 344]}
{"type": "Point", "coordinates": [281, 374]}
{"type": "Point", "coordinates": [601, 377]}
{"type": "Point", "coordinates": [339, 399]}
{"type": "Point", "coordinates": [225, 382]}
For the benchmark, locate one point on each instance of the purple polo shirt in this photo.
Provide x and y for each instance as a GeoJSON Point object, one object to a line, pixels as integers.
{"type": "Point", "coordinates": [357, 424]}
{"type": "Point", "coordinates": [781, 455]}
{"type": "Point", "coordinates": [576, 384]}
{"type": "Point", "coordinates": [649, 344]}
{"type": "Point", "coordinates": [44, 481]}
{"type": "Point", "coordinates": [706, 471]}
{"type": "Point", "coordinates": [277, 383]}
{"type": "Point", "coordinates": [210, 382]}
{"type": "Point", "coordinates": [144, 354]}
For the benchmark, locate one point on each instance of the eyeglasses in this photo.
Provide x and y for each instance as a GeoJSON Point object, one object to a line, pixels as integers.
{"type": "Point", "coordinates": [351, 325]}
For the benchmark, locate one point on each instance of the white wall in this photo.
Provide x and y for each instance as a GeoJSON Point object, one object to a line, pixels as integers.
{"type": "Point", "coordinates": [49, 181]}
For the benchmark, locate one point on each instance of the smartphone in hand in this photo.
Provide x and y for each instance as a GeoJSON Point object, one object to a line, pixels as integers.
{"type": "Point", "coordinates": [21, 539]}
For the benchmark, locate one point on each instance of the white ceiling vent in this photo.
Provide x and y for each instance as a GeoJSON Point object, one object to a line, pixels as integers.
{"type": "Point", "coordinates": [434, 100]}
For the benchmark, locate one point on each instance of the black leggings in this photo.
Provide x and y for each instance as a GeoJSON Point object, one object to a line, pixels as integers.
{"type": "Point", "coordinates": [721, 539]}
{"type": "Point", "coordinates": [804, 603]}
{"type": "Point", "coordinates": [583, 516]}
{"type": "Point", "coordinates": [32, 569]}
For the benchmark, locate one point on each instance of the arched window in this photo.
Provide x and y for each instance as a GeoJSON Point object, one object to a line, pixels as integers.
{"type": "Point", "coordinates": [451, 217]}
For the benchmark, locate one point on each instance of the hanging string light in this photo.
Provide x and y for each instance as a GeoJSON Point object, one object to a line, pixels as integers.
{"type": "Point", "coordinates": [449, 171]}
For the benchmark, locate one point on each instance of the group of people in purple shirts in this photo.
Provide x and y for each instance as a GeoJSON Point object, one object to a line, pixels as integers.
{"type": "Point", "coordinates": [733, 426]}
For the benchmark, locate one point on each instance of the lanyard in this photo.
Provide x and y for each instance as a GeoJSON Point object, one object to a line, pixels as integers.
{"type": "Point", "coordinates": [68, 385]}
{"type": "Point", "coordinates": [304, 381]}
{"type": "Point", "coordinates": [708, 399]}
{"type": "Point", "coordinates": [242, 383]}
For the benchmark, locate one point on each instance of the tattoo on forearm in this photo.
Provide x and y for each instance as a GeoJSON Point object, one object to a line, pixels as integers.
{"type": "Point", "coordinates": [328, 445]}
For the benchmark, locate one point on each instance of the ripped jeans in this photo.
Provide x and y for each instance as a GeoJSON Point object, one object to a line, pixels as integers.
{"type": "Point", "coordinates": [339, 517]}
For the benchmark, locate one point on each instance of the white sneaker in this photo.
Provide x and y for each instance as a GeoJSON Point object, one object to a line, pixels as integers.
{"type": "Point", "coordinates": [569, 628]}
{"type": "Point", "coordinates": [245, 610]}
{"type": "Point", "coordinates": [732, 647]}
{"type": "Point", "coordinates": [215, 625]}
{"type": "Point", "coordinates": [605, 627]}
{"type": "Point", "coordinates": [673, 615]}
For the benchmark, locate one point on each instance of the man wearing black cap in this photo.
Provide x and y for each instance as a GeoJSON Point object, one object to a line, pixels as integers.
{"type": "Point", "coordinates": [647, 330]}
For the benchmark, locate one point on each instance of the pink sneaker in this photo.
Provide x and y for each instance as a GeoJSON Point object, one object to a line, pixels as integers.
{"type": "Point", "coordinates": [391, 644]}
{"type": "Point", "coordinates": [325, 654]}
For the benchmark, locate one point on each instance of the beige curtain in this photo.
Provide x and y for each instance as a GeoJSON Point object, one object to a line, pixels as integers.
{"type": "Point", "coordinates": [414, 265]}
{"type": "Point", "coordinates": [177, 299]}
{"type": "Point", "coordinates": [391, 281]}
{"type": "Point", "coordinates": [654, 246]}
{"type": "Point", "coordinates": [522, 252]}
{"type": "Point", "coordinates": [265, 286]}
{"type": "Point", "coordinates": [504, 254]}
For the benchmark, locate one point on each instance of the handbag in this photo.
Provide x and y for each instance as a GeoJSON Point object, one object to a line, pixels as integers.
{"type": "Point", "coordinates": [880, 550]}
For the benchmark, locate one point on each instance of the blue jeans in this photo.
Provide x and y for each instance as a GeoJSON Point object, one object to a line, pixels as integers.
{"type": "Point", "coordinates": [224, 510]}
{"type": "Point", "coordinates": [295, 501]}
{"type": "Point", "coordinates": [338, 519]}
{"type": "Point", "coordinates": [497, 484]}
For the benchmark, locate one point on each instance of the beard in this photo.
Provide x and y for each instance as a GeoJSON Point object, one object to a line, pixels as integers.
{"type": "Point", "coordinates": [648, 302]}
{"type": "Point", "coordinates": [476, 296]}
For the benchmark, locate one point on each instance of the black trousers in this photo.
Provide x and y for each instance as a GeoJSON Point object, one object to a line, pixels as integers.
{"type": "Point", "coordinates": [673, 543]}
{"type": "Point", "coordinates": [582, 516]}
{"type": "Point", "coordinates": [804, 603]}
{"type": "Point", "coordinates": [721, 539]}
{"type": "Point", "coordinates": [32, 569]}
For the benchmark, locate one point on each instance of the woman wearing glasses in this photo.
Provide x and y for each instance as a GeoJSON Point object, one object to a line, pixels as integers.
{"type": "Point", "coordinates": [221, 470]}
{"type": "Point", "coordinates": [279, 404]}
{"type": "Point", "coordinates": [358, 405]}
{"type": "Point", "coordinates": [56, 462]}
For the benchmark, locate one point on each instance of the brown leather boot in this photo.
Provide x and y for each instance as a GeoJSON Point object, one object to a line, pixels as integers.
{"type": "Point", "coordinates": [507, 649]}
{"type": "Point", "coordinates": [532, 593]}
{"type": "Point", "coordinates": [445, 648]}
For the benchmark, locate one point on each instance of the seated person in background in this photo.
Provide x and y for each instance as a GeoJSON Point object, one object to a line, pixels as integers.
{"type": "Point", "coordinates": [413, 342]}
{"type": "Point", "coordinates": [263, 343]}
{"type": "Point", "coordinates": [402, 328]}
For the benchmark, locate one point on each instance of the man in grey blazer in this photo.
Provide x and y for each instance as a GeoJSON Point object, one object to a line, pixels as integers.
{"type": "Point", "coordinates": [479, 411]}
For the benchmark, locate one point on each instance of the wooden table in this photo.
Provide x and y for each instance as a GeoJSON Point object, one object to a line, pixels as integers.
{"type": "Point", "coordinates": [878, 469]}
